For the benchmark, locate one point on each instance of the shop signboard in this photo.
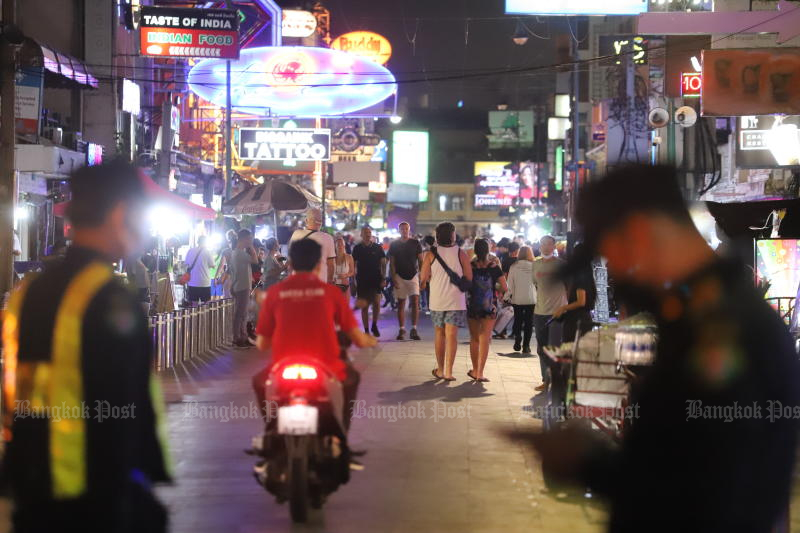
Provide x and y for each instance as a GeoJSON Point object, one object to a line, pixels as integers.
{"type": "Point", "coordinates": [356, 171]}
{"type": "Point", "coordinates": [187, 32]}
{"type": "Point", "coordinates": [754, 81]}
{"type": "Point", "coordinates": [575, 7]}
{"type": "Point", "coordinates": [28, 100]}
{"type": "Point", "coordinates": [510, 129]}
{"type": "Point", "coordinates": [410, 160]}
{"type": "Point", "coordinates": [278, 144]}
{"type": "Point", "coordinates": [768, 141]}
{"type": "Point", "coordinates": [691, 84]}
{"type": "Point", "coordinates": [298, 23]}
{"type": "Point", "coordinates": [367, 44]}
{"type": "Point", "coordinates": [496, 185]}
{"type": "Point", "coordinates": [297, 81]}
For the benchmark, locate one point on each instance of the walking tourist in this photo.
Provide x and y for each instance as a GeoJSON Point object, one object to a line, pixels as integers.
{"type": "Point", "coordinates": [551, 295]}
{"type": "Point", "coordinates": [405, 255]}
{"type": "Point", "coordinates": [274, 266]}
{"type": "Point", "coordinates": [482, 306]}
{"type": "Point", "coordinates": [200, 263]}
{"type": "Point", "coordinates": [344, 268]}
{"type": "Point", "coordinates": [242, 259]}
{"type": "Point", "coordinates": [581, 295]}
{"type": "Point", "coordinates": [370, 263]}
{"type": "Point", "coordinates": [523, 298]}
{"type": "Point", "coordinates": [442, 267]}
{"type": "Point", "coordinates": [314, 232]}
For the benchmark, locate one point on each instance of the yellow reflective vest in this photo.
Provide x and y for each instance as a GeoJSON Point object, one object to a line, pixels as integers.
{"type": "Point", "coordinates": [43, 386]}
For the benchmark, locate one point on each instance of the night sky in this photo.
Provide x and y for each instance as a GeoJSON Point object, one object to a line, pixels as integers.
{"type": "Point", "coordinates": [443, 38]}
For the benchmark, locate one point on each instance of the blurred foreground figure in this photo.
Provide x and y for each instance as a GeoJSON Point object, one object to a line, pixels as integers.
{"type": "Point", "coordinates": [712, 445]}
{"type": "Point", "coordinates": [79, 398]}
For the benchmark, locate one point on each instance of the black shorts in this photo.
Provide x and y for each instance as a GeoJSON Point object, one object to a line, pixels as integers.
{"type": "Point", "coordinates": [368, 290]}
{"type": "Point", "coordinates": [196, 294]}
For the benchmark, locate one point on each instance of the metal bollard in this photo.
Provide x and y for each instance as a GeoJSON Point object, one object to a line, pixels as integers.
{"type": "Point", "coordinates": [151, 328]}
{"type": "Point", "coordinates": [215, 325]}
{"type": "Point", "coordinates": [178, 335]}
{"type": "Point", "coordinates": [224, 312]}
{"type": "Point", "coordinates": [195, 332]}
{"type": "Point", "coordinates": [159, 342]}
{"type": "Point", "coordinates": [169, 329]}
{"type": "Point", "coordinates": [203, 328]}
{"type": "Point", "coordinates": [230, 320]}
{"type": "Point", "coordinates": [187, 334]}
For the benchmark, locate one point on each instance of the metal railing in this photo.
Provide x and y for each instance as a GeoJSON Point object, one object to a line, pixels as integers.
{"type": "Point", "coordinates": [183, 334]}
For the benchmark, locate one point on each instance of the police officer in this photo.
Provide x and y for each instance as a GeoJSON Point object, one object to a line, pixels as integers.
{"type": "Point", "coordinates": [81, 407]}
{"type": "Point", "coordinates": [713, 443]}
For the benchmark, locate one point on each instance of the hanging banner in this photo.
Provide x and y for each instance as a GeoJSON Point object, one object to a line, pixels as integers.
{"type": "Point", "coordinates": [753, 81]}
{"type": "Point", "coordinates": [28, 100]}
{"type": "Point", "coordinates": [186, 32]}
{"type": "Point", "coordinates": [278, 144]}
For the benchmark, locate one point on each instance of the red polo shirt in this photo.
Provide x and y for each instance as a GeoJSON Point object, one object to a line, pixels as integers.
{"type": "Point", "coordinates": [300, 315]}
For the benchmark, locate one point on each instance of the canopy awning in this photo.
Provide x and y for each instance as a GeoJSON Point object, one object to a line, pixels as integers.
{"type": "Point", "coordinates": [737, 219]}
{"type": "Point", "coordinates": [160, 195]}
{"type": "Point", "coordinates": [262, 199]}
{"type": "Point", "coordinates": [60, 70]}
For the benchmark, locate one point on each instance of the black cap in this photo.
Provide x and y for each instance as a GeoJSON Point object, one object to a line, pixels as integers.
{"type": "Point", "coordinates": [606, 202]}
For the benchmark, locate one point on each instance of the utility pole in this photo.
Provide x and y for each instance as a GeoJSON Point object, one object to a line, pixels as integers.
{"type": "Point", "coordinates": [8, 180]}
{"type": "Point", "coordinates": [228, 126]}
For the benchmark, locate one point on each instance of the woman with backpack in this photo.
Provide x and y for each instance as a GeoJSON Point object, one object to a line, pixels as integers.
{"type": "Point", "coordinates": [482, 306]}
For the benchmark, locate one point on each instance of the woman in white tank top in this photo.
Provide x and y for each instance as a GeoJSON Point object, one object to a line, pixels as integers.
{"type": "Point", "coordinates": [448, 304]}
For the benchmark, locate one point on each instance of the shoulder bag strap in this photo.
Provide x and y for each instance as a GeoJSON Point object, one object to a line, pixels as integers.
{"type": "Point", "coordinates": [199, 251]}
{"type": "Point", "coordinates": [446, 268]}
{"type": "Point", "coordinates": [309, 234]}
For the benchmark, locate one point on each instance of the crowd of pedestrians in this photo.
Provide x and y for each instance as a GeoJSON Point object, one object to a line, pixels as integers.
{"type": "Point", "coordinates": [486, 287]}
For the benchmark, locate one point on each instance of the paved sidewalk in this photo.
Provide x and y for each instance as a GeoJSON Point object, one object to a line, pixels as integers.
{"type": "Point", "coordinates": [435, 461]}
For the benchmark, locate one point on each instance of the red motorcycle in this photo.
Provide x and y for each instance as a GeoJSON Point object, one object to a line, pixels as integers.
{"type": "Point", "coordinates": [305, 459]}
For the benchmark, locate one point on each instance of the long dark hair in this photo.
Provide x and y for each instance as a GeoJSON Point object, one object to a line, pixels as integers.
{"type": "Point", "coordinates": [481, 249]}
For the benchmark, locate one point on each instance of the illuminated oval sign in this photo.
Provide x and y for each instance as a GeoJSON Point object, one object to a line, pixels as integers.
{"type": "Point", "coordinates": [374, 47]}
{"type": "Point", "coordinates": [297, 23]}
{"type": "Point", "coordinates": [294, 81]}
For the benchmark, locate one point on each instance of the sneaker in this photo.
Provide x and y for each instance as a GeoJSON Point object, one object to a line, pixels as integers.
{"type": "Point", "coordinates": [541, 387]}
{"type": "Point", "coordinates": [414, 335]}
{"type": "Point", "coordinates": [401, 335]}
{"type": "Point", "coordinates": [517, 346]}
{"type": "Point", "coordinates": [375, 332]}
{"type": "Point", "coordinates": [499, 336]}
{"type": "Point", "coordinates": [526, 349]}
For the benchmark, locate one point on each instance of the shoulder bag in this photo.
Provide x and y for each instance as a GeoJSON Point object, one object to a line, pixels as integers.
{"type": "Point", "coordinates": [188, 274]}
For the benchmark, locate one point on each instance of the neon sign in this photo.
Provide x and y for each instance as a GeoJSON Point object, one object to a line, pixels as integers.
{"type": "Point", "coordinates": [295, 81]}
{"type": "Point", "coordinates": [691, 84]}
{"type": "Point", "coordinates": [277, 144]}
{"type": "Point", "coordinates": [366, 44]}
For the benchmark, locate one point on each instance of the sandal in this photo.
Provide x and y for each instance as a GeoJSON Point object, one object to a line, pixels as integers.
{"type": "Point", "coordinates": [449, 379]}
{"type": "Point", "coordinates": [483, 380]}
{"type": "Point", "coordinates": [471, 375]}
{"type": "Point", "coordinates": [437, 376]}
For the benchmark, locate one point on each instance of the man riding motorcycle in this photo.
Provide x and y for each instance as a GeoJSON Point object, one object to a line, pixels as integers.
{"type": "Point", "coordinates": [299, 317]}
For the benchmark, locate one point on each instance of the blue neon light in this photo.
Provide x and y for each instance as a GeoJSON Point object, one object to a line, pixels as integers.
{"type": "Point", "coordinates": [295, 81]}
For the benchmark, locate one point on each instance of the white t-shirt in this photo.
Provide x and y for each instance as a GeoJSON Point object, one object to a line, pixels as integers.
{"type": "Point", "coordinates": [201, 273]}
{"type": "Point", "coordinates": [324, 240]}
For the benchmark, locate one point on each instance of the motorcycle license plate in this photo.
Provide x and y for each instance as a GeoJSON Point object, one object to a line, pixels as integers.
{"type": "Point", "coordinates": [297, 420]}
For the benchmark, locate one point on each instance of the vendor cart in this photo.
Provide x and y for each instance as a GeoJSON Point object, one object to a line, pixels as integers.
{"type": "Point", "coordinates": [591, 378]}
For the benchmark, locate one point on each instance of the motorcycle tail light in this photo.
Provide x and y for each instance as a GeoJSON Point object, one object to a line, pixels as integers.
{"type": "Point", "coordinates": [299, 372]}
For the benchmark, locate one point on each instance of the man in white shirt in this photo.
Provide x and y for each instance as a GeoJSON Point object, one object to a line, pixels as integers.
{"type": "Point", "coordinates": [199, 286]}
{"type": "Point", "coordinates": [314, 232]}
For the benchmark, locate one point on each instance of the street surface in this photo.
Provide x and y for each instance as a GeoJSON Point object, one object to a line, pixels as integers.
{"type": "Point", "coordinates": [449, 471]}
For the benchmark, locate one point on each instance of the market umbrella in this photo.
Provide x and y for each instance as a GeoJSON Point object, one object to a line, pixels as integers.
{"type": "Point", "coordinates": [273, 195]}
